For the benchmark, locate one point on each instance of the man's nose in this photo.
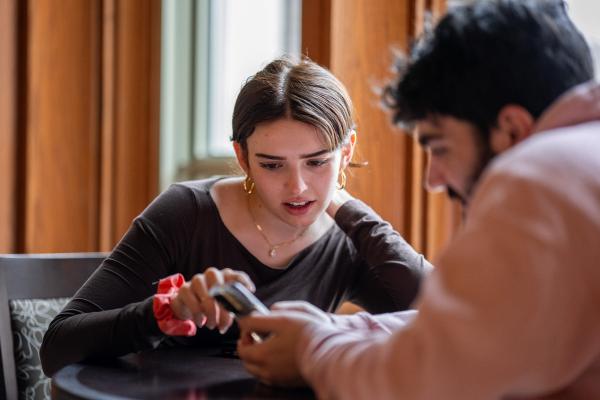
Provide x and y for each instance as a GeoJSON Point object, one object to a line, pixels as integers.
{"type": "Point", "coordinates": [435, 180]}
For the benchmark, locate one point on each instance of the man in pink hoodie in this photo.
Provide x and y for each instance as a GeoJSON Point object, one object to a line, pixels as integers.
{"type": "Point", "coordinates": [501, 98]}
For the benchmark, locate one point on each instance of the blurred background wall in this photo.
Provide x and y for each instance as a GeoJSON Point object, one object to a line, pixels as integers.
{"type": "Point", "coordinates": [79, 121]}
{"type": "Point", "coordinates": [81, 147]}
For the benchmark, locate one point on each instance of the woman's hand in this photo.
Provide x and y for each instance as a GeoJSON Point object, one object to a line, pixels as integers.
{"type": "Point", "coordinates": [192, 301]}
{"type": "Point", "coordinates": [340, 197]}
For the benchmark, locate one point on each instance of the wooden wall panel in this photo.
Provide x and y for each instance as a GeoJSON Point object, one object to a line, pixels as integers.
{"type": "Point", "coordinates": [107, 142]}
{"type": "Point", "coordinates": [8, 125]}
{"type": "Point", "coordinates": [131, 127]}
{"type": "Point", "coordinates": [418, 217]}
{"type": "Point", "coordinates": [363, 34]}
{"type": "Point", "coordinates": [316, 31]}
{"type": "Point", "coordinates": [79, 110]}
{"type": "Point", "coordinates": [62, 129]}
{"type": "Point", "coordinates": [443, 219]}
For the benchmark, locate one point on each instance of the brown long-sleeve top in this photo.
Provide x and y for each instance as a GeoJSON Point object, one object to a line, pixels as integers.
{"type": "Point", "coordinates": [360, 258]}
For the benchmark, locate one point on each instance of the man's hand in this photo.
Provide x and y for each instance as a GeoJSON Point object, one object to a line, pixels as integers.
{"type": "Point", "coordinates": [275, 361]}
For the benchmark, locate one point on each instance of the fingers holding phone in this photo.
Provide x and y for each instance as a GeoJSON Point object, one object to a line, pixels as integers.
{"type": "Point", "coordinates": [193, 301]}
{"type": "Point", "coordinates": [241, 302]}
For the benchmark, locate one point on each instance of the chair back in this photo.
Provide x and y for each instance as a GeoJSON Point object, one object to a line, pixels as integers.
{"type": "Point", "coordinates": [33, 290]}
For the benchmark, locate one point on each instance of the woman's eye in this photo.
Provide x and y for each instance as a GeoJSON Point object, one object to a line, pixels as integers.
{"type": "Point", "coordinates": [317, 163]}
{"type": "Point", "coordinates": [270, 166]}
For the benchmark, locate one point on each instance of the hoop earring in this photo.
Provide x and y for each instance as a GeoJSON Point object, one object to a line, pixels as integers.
{"type": "Point", "coordinates": [248, 185]}
{"type": "Point", "coordinates": [342, 184]}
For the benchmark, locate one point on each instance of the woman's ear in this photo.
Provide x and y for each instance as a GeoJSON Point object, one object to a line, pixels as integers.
{"type": "Point", "coordinates": [348, 149]}
{"type": "Point", "coordinates": [241, 156]}
{"type": "Point", "coordinates": [514, 124]}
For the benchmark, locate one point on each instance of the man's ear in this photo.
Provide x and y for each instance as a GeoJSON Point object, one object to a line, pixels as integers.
{"type": "Point", "coordinates": [514, 124]}
{"type": "Point", "coordinates": [348, 149]}
{"type": "Point", "coordinates": [241, 156]}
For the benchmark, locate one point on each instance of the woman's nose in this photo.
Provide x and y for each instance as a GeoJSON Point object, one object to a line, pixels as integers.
{"type": "Point", "coordinates": [296, 183]}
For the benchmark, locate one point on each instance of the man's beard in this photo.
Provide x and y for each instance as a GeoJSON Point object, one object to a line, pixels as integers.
{"type": "Point", "coordinates": [484, 158]}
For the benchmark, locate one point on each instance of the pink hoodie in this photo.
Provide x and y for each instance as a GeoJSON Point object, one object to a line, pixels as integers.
{"type": "Point", "coordinates": [512, 311]}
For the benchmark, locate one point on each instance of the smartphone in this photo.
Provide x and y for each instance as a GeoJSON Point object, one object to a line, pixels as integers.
{"type": "Point", "coordinates": [236, 298]}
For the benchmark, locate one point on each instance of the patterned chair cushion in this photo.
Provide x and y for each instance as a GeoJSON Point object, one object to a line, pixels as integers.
{"type": "Point", "coordinates": [30, 319]}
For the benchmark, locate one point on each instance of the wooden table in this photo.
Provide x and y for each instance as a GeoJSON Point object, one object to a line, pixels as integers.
{"type": "Point", "coordinates": [181, 373]}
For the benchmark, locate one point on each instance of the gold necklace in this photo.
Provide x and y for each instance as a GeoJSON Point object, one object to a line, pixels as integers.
{"type": "Point", "coordinates": [273, 246]}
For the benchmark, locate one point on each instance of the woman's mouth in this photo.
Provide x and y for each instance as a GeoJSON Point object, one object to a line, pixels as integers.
{"type": "Point", "coordinates": [298, 207]}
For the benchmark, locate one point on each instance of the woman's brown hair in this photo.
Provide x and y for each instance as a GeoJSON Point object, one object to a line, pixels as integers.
{"type": "Point", "coordinates": [301, 90]}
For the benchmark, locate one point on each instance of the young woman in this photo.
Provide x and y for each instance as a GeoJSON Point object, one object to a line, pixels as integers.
{"type": "Point", "coordinates": [287, 230]}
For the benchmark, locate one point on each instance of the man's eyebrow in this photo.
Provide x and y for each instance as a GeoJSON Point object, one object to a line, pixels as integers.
{"type": "Point", "coordinates": [425, 138]}
{"type": "Point", "coordinates": [279, 158]}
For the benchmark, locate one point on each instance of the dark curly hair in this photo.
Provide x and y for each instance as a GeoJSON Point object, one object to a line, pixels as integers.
{"type": "Point", "coordinates": [486, 55]}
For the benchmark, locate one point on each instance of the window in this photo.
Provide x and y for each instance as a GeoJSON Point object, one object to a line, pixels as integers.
{"type": "Point", "coordinates": [585, 14]}
{"type": "Point", "coordinates": [209, 48]}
